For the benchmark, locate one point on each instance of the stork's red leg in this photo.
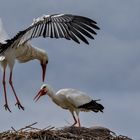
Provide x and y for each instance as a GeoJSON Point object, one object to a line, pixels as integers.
{"type": "Point", "coordinates": [5, 95]}
{"type": "Point", "coordinates": [79, 125]}
{"type": "Point", "coordinates": [75, 121]}
{"type": "Point", "coordinates": [11, 83]}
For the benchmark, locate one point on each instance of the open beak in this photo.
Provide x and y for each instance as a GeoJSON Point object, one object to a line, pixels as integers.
{"type": "Point", "coordinates": [43, 71]}
{"type": "Point", "coordinates": [40, 93]}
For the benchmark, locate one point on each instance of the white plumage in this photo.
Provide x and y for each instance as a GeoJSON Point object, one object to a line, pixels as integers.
{"type": "Point", "coordinates": [3, 34]}
{"type": "Point", "coordinates": [22, 54]}
{"type": "Point", "coordinates": [71, 99]}
{"type": "Point", "coordinates": [76, 97]}
{"type": "Point", "coordinates": [54, 26]}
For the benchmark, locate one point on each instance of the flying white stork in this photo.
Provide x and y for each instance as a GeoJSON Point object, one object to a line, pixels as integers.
{"type": "Point", "coordinates": [54, 26]}
{"type": "Point", "coordinates": [23, 53]}
{"type": "Point", "coordinates": [71, 99]}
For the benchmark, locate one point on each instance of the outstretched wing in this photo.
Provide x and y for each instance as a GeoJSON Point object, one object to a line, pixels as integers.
{"type": "Point", "coordinates": [56, 26]}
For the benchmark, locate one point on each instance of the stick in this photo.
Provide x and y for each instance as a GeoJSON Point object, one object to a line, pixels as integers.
{"type": "Point", "coordinates": [28, 126]}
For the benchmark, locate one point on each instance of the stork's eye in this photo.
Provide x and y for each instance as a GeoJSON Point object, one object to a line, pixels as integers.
{"type": "Point", "coordinates": [47, 62]}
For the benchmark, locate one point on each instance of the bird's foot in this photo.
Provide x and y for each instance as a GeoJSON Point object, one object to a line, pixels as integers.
{"type": "Point", "coordinates": [76, 125]}
{"type": "Point", "coordinates": [19, 105]}
{"type": "Point", "coordinates": [7, 107]}
{"type": "Point", "coordinates": [73, 125]}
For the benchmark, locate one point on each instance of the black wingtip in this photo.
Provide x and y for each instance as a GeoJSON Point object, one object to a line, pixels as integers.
{"type": "Point", "coordinates": [98, 28]}
{"type": "Point", "coordinates": [93, 105]}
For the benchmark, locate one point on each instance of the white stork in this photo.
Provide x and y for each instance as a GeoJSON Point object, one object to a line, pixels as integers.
{"type": "Point", "coordinates": [54, 26]}
{"type": "Point", "coordinates": [71, 99]}
{"type": "Point", "coordinates": [22, 54]}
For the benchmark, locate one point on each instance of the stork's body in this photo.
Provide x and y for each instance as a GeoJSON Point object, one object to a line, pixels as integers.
{"type": "Point", "coordinates": [54, 26]}
{"type": "Point", "coordinates": [71, 99]}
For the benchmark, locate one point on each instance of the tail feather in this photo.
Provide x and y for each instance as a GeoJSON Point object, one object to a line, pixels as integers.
{"type": "Point", "coordinates": [93, 105]}
{"type": "Point", "coordinates": [97, 107]}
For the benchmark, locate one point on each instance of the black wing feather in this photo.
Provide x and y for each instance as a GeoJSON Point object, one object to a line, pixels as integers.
{"type": "Point", "coordinates": [56, 26]}
{"type": "Point", "coordinates": [86, 27]}
{"type": "Point", "coordinates": [93, 105]}
{"type": "Point", "coordinates": [77, 33]}
{"type": "Point", "coordinates": [84, 32]}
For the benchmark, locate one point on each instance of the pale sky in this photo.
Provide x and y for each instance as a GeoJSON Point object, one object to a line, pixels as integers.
{"type": "Point", "coordinates": [108, 68]}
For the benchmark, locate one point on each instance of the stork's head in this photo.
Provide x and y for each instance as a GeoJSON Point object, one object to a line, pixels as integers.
{"type": "Point", "coordinates": [43, 91]}
{"type": "Point", "coordinates": [43, 63]}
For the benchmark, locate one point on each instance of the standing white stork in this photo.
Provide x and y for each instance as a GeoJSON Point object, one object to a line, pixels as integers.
{"type": "Point", "coordinates": [71, 99]}
{"type": "Point", "coordinates": [54, 26]}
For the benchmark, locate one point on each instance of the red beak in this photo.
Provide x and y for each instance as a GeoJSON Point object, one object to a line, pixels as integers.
{"type": "Point", "coordinates": [40, 93]}
{"type": "Point", "coordinates": [43, 71]}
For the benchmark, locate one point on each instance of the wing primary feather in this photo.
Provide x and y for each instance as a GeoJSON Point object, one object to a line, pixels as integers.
{"type": "Point", "coordinates": [73, 37]}
{"type": "Point", "coordinates": [35, 31]}
{"type": "Point", "coordinates": [60, 32]}
{"type": "Point", "coordinates": [45, 29]}
{"type": "Point", "coordinates": [67, 18]}
{"type": "Point", "coordinates": [82, 31]}
{"type": "Point", "coordinates": [86, 27]}
{"type": "Point", "coordinates": [61, 19]}
{"type": "Point", "coordinates": [65, 30]}
{"type": "Point", "coordinates": [85, 18]}
{"type": "Point", "coordinates": [32, 35]}
{"type": "Point", "coordinates": [40, 30]}
{"type": "Point", "coordinates": [51, 30]}
{"type": "Point", "coordinates": [69, 33]}
{"type": "Point", "coordinates": [88, 22]}
{"type": "Point", "coordinates": [54, 31]}
{"type": "Point", "coordinates": [79, 35]}
{"type": "Point", "coordinates": [56, 34]}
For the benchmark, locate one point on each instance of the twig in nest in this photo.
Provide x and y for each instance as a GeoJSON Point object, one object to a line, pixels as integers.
{"type": "Point", "coordinates": [33, 128]}
{"type": "Point", "coordinates": [28, 126]}
{"type": "Point", "coordinates": [14, 129]}
{"type": "Point", "coordinates": [48, 128]}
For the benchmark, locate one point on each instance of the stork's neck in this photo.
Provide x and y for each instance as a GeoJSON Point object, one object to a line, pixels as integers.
{"type": "Point", "coordinates": [27, 52]}
{"type": "Point", "coordinates": [38, 53]}
{"type": "Point", "coordinates": [52, 94]}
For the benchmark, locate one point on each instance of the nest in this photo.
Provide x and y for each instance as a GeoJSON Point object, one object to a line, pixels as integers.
{"type": "Point", "coordinates": [66, 133]}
